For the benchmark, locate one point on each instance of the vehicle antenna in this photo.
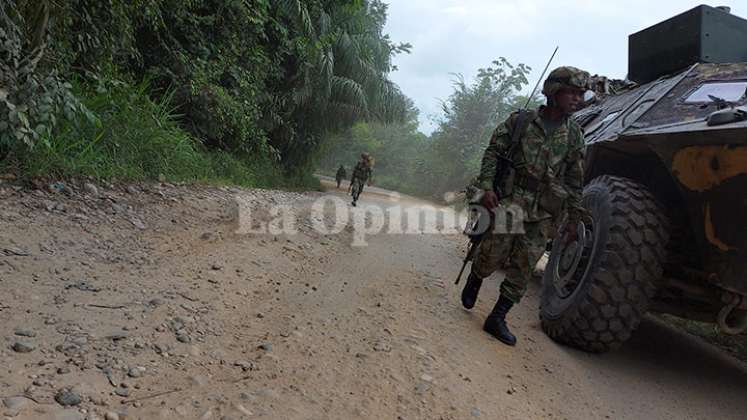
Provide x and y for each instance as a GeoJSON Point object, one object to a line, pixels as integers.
{"type": "Point", "coordinates": [542, 76]}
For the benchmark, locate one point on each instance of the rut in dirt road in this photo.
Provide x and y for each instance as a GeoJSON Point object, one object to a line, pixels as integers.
{"type": "Point", "coordinates": [185, 318]}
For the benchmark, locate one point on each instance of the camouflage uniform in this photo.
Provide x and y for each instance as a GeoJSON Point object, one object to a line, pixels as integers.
{"type": "Point", "coordinates": [543, 184]}
{"type": "Point", "coordinates": [548, 183]}
{"type": "Point", "coordinates": [361, 173]}
{"type": "Point", "coordinates": [340, 175]}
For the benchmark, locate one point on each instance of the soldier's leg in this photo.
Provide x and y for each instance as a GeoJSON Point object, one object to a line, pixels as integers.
{"type": "Point", "coordinates": [525, 255]}
{"type": "Point", "coordinates": [493, 251]}
{"type": "Point", "coordinates": [361, 184]}
{"type": "Point", "coordinates": [491, 254]}
{"type": "Point", "coordinates": [355, 191]}
{"type": "Point", "coordinates": [526, 252]}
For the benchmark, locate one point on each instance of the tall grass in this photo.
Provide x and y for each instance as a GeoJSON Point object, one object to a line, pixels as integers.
{"type": "Point", "coordinates": [130, 137]}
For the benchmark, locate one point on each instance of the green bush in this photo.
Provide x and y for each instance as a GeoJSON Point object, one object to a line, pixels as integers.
{"type": "Point", "coordinates": [32, 98]}
{"type": "Point", "coordinates": [128, 136]}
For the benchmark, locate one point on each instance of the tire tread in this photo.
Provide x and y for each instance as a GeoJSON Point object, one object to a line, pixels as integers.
{"type": "Point", "coordinates": [631, 263]}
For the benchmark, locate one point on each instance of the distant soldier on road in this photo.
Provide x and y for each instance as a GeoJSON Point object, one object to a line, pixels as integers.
{"type": "Point", "coordinates": [361, 173]}
{"type": "Point", "coordinates": [547, 185]}
{"type": "Point", "coordinates": [340, 175]}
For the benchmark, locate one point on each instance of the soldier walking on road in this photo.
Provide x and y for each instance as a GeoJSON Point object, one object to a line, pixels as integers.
{"type": "Point", "coordinates": [361, 173]}
{"type": "Point", "coordinates": [547, 185]}
{"type": "Point", "coordinates": [340, 175]}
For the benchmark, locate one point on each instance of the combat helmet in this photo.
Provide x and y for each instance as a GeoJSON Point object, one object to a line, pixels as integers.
{"type": "Point", "coordinates": [565, 77]}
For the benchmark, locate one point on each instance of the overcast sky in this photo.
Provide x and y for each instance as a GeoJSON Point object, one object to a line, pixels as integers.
{"type": "Point", "coordinates": [460, 36]}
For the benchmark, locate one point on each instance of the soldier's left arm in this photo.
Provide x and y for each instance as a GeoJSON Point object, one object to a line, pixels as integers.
{"type": "Point", "coordinates": [573, 179]}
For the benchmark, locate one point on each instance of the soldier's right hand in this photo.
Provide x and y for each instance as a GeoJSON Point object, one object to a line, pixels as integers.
{"type": "Point", "coordinates": [489, 199]}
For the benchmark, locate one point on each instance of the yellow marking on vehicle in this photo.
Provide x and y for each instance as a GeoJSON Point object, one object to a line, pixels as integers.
{"type": "Point", "coordinates": [710, 232]}
{"type": "Point", "coordinates": [700, 168]}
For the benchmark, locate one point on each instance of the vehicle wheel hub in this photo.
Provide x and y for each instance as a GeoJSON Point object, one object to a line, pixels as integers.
{"type": "Point", "coordinates": [574, 256]}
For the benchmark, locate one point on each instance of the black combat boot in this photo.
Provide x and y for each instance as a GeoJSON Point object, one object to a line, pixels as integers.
{"type": "Point", "coordinates": [470, 291]}
{"type": "Point", "coordinates": [495, 324]}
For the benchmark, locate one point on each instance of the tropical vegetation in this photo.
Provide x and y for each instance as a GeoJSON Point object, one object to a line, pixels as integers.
{"type": "Point", "coordinates": [215, 85]}
{"type": "Point", "coordinates": [254, 92]}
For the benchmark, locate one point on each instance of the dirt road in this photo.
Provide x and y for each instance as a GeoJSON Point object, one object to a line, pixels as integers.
{"type": "Point", "coordinates": [147, 303]}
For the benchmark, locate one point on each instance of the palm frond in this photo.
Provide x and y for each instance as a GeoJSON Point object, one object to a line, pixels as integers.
{"type": "Point", "coordinates": [350, 92]}
{"type": "Point", "coordinates": [303, 94]}
{"type": "Point", "coordinates": [290, 8]}
{"type": "Point", "coordinates": [305, 19]}
{"type": "Point", "coordinates": [327, 71]}
{"type": "Point", "coordinates": [299, 13]}
{"type": "Point", "coordinates": [325, 23]}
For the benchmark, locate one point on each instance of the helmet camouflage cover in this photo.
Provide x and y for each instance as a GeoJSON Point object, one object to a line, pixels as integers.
{"type": "Point", "coordinates": [566, 77]}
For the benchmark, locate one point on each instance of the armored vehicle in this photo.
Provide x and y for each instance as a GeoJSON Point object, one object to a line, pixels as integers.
{"type": "Point", "coordinates": [666, 188]}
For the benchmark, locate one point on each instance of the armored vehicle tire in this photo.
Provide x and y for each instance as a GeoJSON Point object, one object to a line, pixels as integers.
{"type": "Point", "coordinates": [595, 291]}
